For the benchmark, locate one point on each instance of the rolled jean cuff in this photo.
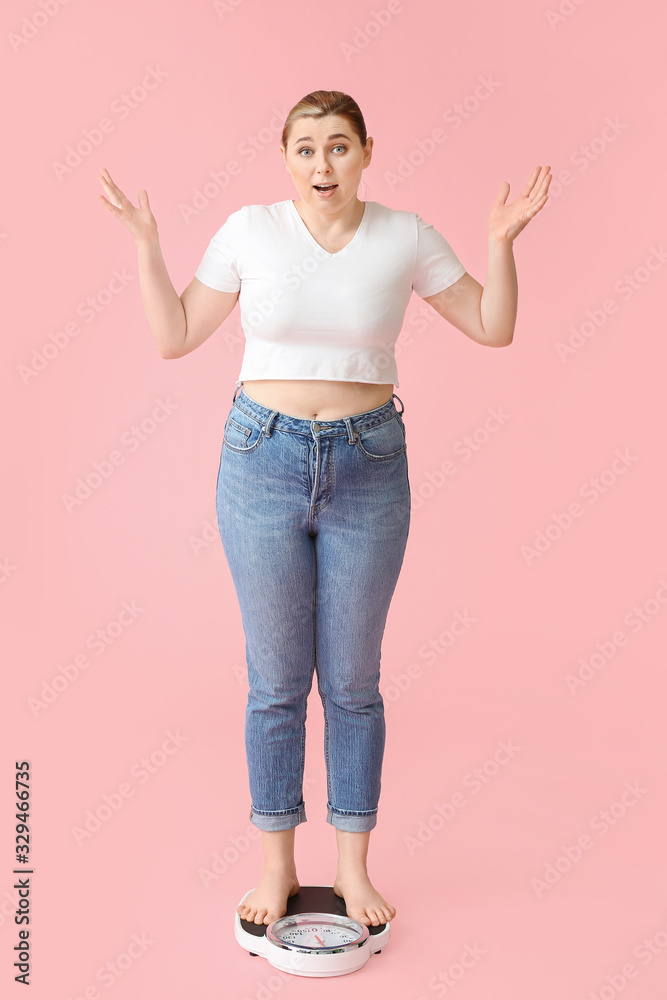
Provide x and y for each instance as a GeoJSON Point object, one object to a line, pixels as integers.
{"type": "Point", "coordinates": [284, 819]}
{"type": "Point", "coordinates": [352, 822]}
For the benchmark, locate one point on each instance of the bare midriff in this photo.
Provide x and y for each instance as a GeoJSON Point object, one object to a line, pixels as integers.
{"type": "Point", "coordinates": [318, 399]}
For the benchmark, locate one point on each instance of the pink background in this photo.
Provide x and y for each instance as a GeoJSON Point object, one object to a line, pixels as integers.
{"type": "Point", "coordinates": [147, 536]}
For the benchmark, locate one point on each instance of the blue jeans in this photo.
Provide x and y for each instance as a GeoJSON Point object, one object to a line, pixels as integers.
{"type": "Point", "coordinates": [314, 519]}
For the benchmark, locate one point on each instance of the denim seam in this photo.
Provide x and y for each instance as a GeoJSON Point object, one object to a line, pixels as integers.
{"type": "Point", "coordinates": [344, 812]}
{"type": "Point", "coordinates": [278, 812]}
{"type": "Point", "coordinates": [277, 429]}
{"type": "Point", "coordinates": [322, 696]}
{"type": "Point", "coordinates": [312, 670]}
{"type": "Point", "coordinates": [379, 458]}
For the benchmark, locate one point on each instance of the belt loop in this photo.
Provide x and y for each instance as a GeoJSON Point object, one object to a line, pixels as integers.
{"type": "Point", "coordinates": [351, 434]}
{"type": "Point", "coordinates": [235, 392]}
{"type": "Point", "coordinates": [267, 425]}
{"type": "Point", "coordinates": [401, 411]}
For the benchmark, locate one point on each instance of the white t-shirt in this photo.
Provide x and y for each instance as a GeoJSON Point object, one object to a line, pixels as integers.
{"type": "Point", "coordinates": [310, 314]}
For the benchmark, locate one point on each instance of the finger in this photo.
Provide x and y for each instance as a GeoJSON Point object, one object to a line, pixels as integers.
{"type": "Point", "coordinates": [112, 208]}
{"type": "Point", "coordinates": [535, 208]}
{"type": "Point", "coordinates": [540, 194]}
{"type": "Point", "coordinates": [108, 184]}
{"type": "Point", "coordinates": [530, 183]}
{"type": "Point", "coordinates": [540, 187]}
{"type": "Point", "coordinates": [107, 177]}
{"type": "Point", "coordinates": [503, 193]}
{"type": "Point", "coordinates": [538, 183]}
{"type": "Point", "coordinates": [116, 196]}
{"type": "Point", "coordinates": [546, 179]}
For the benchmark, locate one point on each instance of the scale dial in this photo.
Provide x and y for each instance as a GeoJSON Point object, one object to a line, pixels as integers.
{"type": "Point", "coordinates": [317, 933]}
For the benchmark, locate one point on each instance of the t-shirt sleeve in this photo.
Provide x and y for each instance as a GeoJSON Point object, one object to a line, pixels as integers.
{"type": "Point", "coordinates": [436, 265]}
{"type": "Point", "coordinates": [220, 267]}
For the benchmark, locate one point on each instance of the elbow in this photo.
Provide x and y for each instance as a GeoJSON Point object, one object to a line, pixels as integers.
{"type": "Point", "coordinates": [172, 352]}
{"type": "Point", "coordinates": [502, 340]}
{"type": "Point", "coordinates": [501, 343]}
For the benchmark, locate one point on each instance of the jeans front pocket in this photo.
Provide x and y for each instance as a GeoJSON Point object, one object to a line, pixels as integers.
{"type": "Point", "coordinates": [243, 432]}
{"type": "Point", "coordinates": [382, 441]}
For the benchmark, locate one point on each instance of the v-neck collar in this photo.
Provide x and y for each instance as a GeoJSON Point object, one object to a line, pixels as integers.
{"type": "Point", "coordinates": [307, 233]}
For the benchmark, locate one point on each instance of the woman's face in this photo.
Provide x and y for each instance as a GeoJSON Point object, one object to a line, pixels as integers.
{"type": "Point", "coordinates": [326, 151]}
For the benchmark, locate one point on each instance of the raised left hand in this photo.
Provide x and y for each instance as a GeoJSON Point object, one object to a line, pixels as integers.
{"type": "Point", "coordinates": [507, 221]}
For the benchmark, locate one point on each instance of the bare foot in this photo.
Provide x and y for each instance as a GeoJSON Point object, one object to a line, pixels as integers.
{"type": "Point", "coordinates": [268, 900]}
{"type": "Point", "coordinates": [362, 901]}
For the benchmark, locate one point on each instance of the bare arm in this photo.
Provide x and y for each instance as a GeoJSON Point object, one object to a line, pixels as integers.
{"type": "Point", "coordinates": [164, 309]}
{"type": "Point", "coordinates": [487, 314]}
{"type": "Point", "coordinates": [460, 305]}
{"type": "Point", "coordinates": [205, 309]}
{"type": "Point", "coordinates": [178, 324]}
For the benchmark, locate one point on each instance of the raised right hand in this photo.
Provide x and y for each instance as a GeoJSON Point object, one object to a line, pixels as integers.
{"type": "Point", "coordinates": [140, 222]}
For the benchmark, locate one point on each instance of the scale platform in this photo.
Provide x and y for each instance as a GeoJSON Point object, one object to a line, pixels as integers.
{"type": "Point", "coordinates": [314, 914]}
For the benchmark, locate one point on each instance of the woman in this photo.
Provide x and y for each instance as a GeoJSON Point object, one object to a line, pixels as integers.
{"type": "Point", "coordinates": [313, 497]}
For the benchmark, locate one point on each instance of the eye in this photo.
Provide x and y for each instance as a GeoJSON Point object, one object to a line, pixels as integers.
{"type": "Point", "coordinates": [306, 149]}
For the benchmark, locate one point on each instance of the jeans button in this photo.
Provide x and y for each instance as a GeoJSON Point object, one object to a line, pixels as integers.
{"type": "Point", "coordinates": [316, 426]}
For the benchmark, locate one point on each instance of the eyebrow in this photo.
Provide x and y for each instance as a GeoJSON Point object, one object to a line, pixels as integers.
{"type": "Point", "coordinates": [309, 138]}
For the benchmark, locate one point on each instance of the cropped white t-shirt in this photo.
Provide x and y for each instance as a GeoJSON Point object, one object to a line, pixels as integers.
{"type": "Point", "coordinates": [310, 314]}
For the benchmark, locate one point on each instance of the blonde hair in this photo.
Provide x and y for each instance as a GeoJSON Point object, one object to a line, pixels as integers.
{"type": "Point", "coordinates": [327, 102]}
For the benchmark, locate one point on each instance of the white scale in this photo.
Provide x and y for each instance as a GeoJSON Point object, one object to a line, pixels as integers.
{"type": "Point", "coordinates": [315, 937]}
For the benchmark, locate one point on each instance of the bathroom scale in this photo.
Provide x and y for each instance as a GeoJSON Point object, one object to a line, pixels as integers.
{"type": "Point", "coordinates": [315, 937]}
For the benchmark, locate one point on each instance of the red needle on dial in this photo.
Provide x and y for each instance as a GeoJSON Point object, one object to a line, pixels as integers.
{"type": "Point", "coordinates": [319, 939]}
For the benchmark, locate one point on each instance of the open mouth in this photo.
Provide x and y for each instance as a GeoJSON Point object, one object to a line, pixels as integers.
{"type": "Point", "coordinates": [325, 187]}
